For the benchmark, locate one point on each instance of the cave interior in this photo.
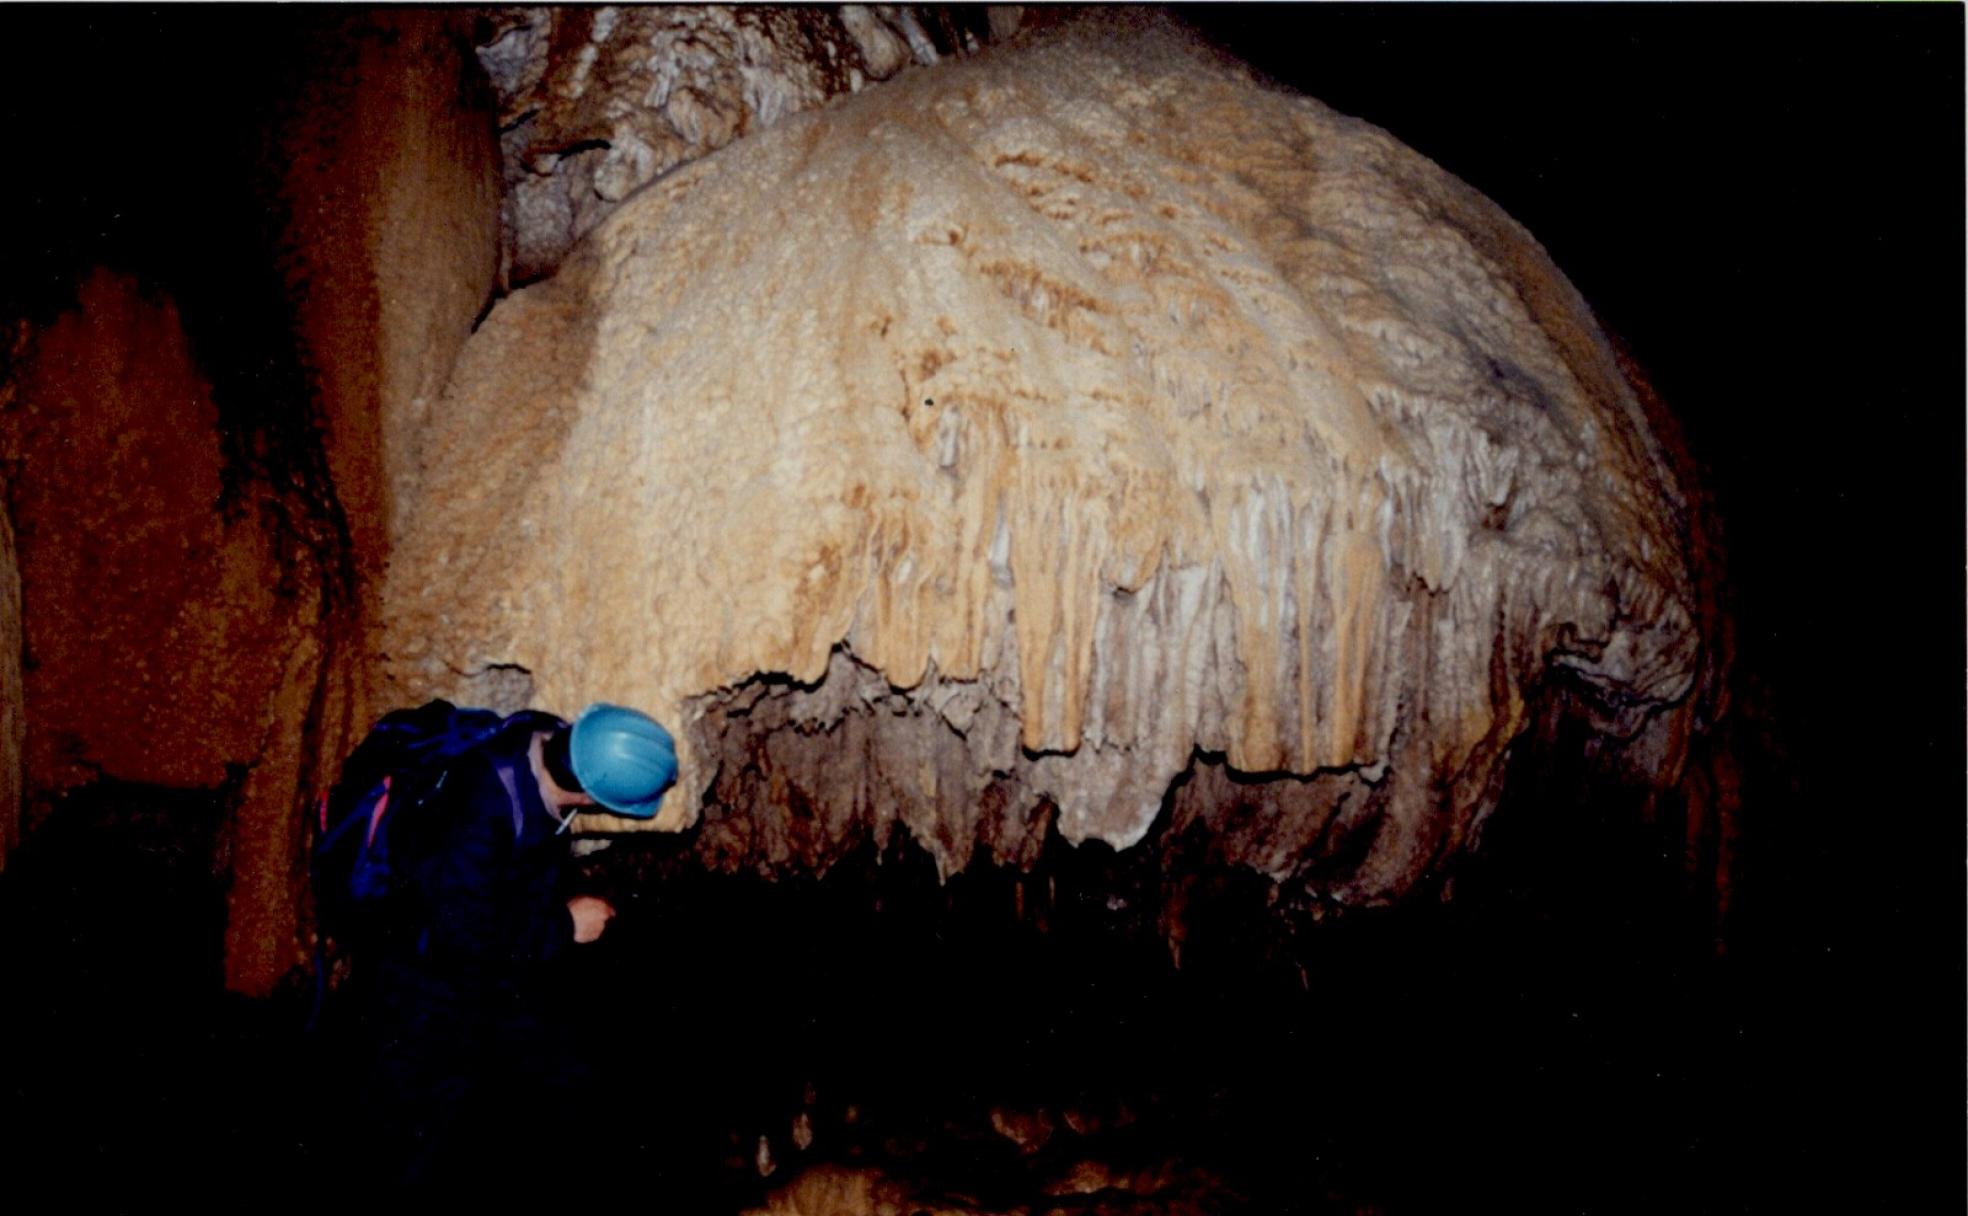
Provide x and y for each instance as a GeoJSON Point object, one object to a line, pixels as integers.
{"type": "Point", "coordinates": [1605, 1007]}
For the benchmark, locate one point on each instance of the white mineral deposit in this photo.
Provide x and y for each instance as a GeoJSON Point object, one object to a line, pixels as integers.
{"type": "Point", "coordinates": [1035, 430]}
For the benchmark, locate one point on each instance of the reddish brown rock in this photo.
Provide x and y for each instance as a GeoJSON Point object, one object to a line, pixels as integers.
{"type": "Point", "coordinates": [162, 611]}
{"type": "Point", "coordinates": [391, 182]}
{"type": "Point", "coordinates": [155, 615]}
{"type": "Point", "coordinates": [13, 718]}
{"type": "Point", "coordinates": [196, 611]}
{"type": "Point", "coordinates": [391, 185]}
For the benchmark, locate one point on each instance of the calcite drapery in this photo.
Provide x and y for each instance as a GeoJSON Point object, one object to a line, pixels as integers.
{"type": "Point", "coordinates": [1040, 430]}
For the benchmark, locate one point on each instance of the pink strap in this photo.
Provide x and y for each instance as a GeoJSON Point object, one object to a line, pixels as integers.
{"type": "Point", "coordinates": [376, 816]}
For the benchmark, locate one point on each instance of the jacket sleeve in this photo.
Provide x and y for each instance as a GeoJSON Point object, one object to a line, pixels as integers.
{"type": "Point", "coordinates": [543, 928]}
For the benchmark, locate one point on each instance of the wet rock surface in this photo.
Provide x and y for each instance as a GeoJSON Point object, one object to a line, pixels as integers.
{"type": "Point", "coordinates": [1073, 436]}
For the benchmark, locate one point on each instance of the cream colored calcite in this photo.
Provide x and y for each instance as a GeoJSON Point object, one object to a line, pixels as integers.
{"type": "Point", "coordinates": [597, 102]}
{"type": "Point", "coordinates": [1028, 429]}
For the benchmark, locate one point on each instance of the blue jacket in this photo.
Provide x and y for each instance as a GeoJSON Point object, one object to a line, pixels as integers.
{"type": "Point", "coordinates": [487, 894]}
{"type": "Point", "coordinates": [456, 993]}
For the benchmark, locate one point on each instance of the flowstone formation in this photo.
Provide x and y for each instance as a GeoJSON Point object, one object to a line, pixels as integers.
{"type": "Point", "coordinates": [1077, 435]}
{"type": "Point", "coordinates": [595, 103]}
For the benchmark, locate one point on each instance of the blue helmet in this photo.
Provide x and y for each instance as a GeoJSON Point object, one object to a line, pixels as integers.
{"type": "Point", "coordinates": [623, 758]}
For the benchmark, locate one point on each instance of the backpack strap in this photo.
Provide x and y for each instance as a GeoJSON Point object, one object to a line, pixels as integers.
{"type": "Point", "coordinates": [523, 724]}
{"type": "Point", "coordinates": [511, 783]}
{"type": "Point", "coordinates": [376, 816]}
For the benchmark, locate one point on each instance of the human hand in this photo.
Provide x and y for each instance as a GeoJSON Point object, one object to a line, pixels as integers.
{"type": "Point", "coordinates": [591, 915]}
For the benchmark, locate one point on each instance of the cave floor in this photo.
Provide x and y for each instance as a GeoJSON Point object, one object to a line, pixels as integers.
{"type": "Point", "coordinates": [835, 1047]}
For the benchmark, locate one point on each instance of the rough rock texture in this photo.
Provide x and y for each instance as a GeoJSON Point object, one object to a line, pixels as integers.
{"type": "Point", "coordinates": [149, 658]}
{"type": "Point", "coordinates": [597, 102]}
{"type": "Point", "coordinates": [391, 183]}
{"type": "Point", "coordinates": [165, 616]}
{"type": "Point", "coordinates": [1075, 435]}
{"type": "Point", "coordinates": [197, 470]}
{"type": "Point", "coordinates": [391, 189]}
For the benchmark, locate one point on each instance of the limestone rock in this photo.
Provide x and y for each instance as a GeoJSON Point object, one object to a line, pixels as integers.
{"type": "Point", "coordinates": [391, 182]}
{"type": "Point", "coordinates": [598, 102]}
{"type": "Point", "coordinates": [168, 624]}
{"type": "Point", "coordinates": [196, 470]}
{"type": "Point", "coordinates": [1076, 435]}
{"type": "Point", "coordinates": [155, 620]}
{"type": "Point", "coordinates": [391, 188]}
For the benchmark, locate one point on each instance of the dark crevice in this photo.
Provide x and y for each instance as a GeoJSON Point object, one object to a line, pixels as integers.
{"type": "Point", "coordinates": [577, 147]}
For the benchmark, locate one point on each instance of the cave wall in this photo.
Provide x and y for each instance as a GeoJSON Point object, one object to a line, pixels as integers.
{"type": "Point", "coordinates": [390, 187]}
{"type": "Point", "coordinates": [168, 619]}
{"type": "Point", "coordinates": [198, 476]}
{"type": "Point", "coordinates": [1074, 434]}
{"type": "Point", "coordinates": [391, 183]}
{"type": "Point", "coordinates": [156, 615]}
{"type": "Point", "coordinates": [218, 392]}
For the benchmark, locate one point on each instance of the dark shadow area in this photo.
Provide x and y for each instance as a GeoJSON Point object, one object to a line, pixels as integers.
{"type": "Point", "coordinates": [1767, 205]}
{"type": "Point", "coordinates": [1507, 1049]}
{"type": "Point", "coordinates": [130, 1071]}
{"type": "Point", "coordinates": [979, 1038]}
